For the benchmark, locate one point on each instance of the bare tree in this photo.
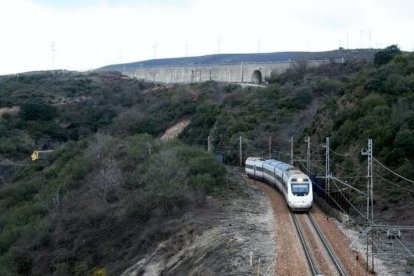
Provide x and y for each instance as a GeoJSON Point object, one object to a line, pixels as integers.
{"type": "Point", "coordinates": [127, 120]}
{"type": "Point", "coordinates": [51, 197]}
{"type": "Point", "coordinates": [108, 178]}
{"type": "Point", "coordinates": [98, 147]}
{"type": "Point", "coordinates": [167, 171]}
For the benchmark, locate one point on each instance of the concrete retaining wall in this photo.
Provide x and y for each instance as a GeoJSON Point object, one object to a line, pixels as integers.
{"type": "Point", "coordinates": [239, 73]}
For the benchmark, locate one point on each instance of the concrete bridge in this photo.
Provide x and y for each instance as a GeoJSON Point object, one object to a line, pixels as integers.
{"type": "Point", "coordinates": [237, 73]}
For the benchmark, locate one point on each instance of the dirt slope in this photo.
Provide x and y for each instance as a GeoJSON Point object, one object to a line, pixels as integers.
{"type": "Point", "coordinates": [218, 240]}
{"type": "Point", "coordinates": [176, 129]}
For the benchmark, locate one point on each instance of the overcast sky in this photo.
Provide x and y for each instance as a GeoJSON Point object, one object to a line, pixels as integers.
{"type": "Point", "coordinates": [86, 34]}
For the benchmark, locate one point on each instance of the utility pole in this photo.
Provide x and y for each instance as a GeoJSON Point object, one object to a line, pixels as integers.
{"type": "Point", "coordinates": [327, 165]}
{"type": "Point", "coordinates": [307, 140]}
{"type": "Point", "coordinates": [371, 178]}
{"type": "Point", "coordinates": [291, 151]}
{"type": "Point", "coordinates": [370, 182]}
{"type": "Point", "coordinates": [370, 198]}
{"type": "Point", "coordinates": [208, 144]}
{"type": "Point", "coordinates": [241, 153]}
{"type": "Point", "coordinates": [371, 193]}
{"type": "Point", "coordinates": [270, 147]}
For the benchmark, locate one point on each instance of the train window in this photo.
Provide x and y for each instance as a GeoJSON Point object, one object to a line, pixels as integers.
{"type": "Point", "coordinates": [300, 189]}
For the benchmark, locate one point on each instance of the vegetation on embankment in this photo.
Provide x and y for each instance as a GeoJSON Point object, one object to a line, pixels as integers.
{"type": "Point", "coordinates": [108, 193]}
{"type": "Point", "coordinates": [377, 103]}
{"type": "Point", "coordinates": [111, 191]}
{"type": "Point", "coordinates": [101, 200]}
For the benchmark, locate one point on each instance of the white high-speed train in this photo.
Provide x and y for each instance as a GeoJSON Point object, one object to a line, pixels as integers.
{"type": "Point", "coordinates": [295, 186]}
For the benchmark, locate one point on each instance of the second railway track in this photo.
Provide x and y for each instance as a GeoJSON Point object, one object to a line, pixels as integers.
{"type": "Point", "coordinates": [312, 238]}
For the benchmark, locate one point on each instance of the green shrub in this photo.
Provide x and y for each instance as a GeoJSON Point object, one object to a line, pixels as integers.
{"type": "Point", "coordinates": [79, 167]}
{"type": "Point", "coordinates": [404, 143]}
{"type": "Point", "coordinates": [37, 109]}
{"type": "Point", "coordinates": [22, 262]}
{"type": "Point", "coordinates": [7, 238]}
{"type": "Point", "coordinates": [384, 56]}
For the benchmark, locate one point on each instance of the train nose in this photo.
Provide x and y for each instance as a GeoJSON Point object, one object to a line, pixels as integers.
{"type": "Point", "coordinates": [301, 203]}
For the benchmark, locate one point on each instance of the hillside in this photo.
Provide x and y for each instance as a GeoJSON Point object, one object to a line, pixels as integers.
{"type": "Point", "coordinates": [109, 194]}
{"type": "Point", "coordinates": [349, 55]}
{"type": "Point", "coordinates": [377, 103]}
{"type": "Point", "coordinates": [112, 193]}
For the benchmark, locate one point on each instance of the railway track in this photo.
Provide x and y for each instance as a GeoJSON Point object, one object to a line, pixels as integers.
{"type": "Point", "coordinates": [319, 264]}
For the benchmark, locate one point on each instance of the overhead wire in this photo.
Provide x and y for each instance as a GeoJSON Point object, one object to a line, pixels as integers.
{"type": "Point", "coordinates": [346, 154]}
{"type": "Point", "coordinates": [339, 206]}
{"type": "Point", "coordinates": [337, 179]}
{"type": "Point", "coordinates": [343, 183]}
{"type": "Point", "coordinates": [393, 172]}
{"type": "Point", "coordinates": [392, 183]}
{"type": "Point", "coordinates": [350, 203]}
{"type": "Point", "coordinates": [347, 184]}
{"type": "Point", "coordinates": [370, 221]}
{"type": "Point", "coordinates": [405, 247]}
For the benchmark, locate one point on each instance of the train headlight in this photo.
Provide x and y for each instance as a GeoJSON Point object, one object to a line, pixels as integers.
{"type": "Point", "coordinates": [300, 179]}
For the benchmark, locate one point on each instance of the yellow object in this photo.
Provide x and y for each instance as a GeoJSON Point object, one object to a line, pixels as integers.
{"type": "Point", "coordinates": [35, 155]}
{"type": "Point", "coordinates": [40, 154]}
{"type": "Point", "coordinates": [100, 272]}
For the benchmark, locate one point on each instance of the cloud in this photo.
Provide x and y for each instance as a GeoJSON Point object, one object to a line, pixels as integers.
{"type": "Point", "coordinates": [90, 34]}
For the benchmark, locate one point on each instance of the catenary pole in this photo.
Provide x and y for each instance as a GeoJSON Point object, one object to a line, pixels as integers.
{"type": "Point", "coordinates": [327, 165]}
{"type": "Point", "coordinates": [307, 140]}
{"type": "Point", "coordinates": [241, 153]}
{"type": "Point", "coordinates": [270, 147]}
{"type": "Point", "coordinates": [291, 151]}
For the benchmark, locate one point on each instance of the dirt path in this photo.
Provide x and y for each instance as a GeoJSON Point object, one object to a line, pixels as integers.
{"type": "Point", "coordinates": [175, 130]}
{"type": "Point", "coordinates": [9, 110]}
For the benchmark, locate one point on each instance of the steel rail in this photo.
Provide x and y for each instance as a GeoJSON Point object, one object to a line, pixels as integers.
{"type": "Point", "coordinates": [311, 262]}
{"type": "Point", "coordinates": [328, 248]}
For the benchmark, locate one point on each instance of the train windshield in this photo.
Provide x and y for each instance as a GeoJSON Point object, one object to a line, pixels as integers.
{"type": "Point", "coordinates": [300, 189]}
